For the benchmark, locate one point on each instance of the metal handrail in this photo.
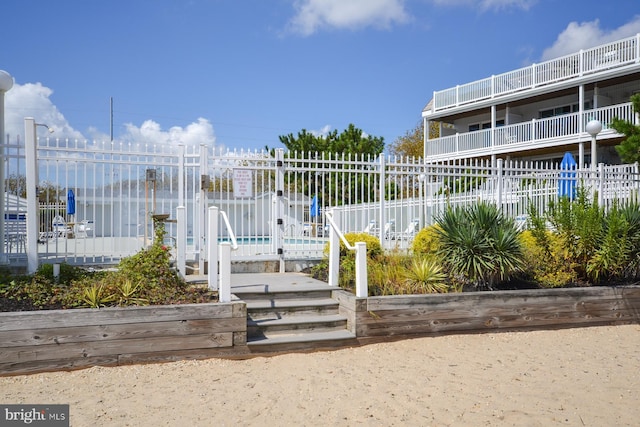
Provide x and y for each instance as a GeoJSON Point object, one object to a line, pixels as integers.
{"type": "Point", "coordinates": [234, 242]}
{"type": "Point", "coordinates": [360, 248]}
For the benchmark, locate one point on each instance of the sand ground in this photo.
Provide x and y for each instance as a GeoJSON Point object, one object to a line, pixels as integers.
{"type": "Point", "coordinates": [571, 377]}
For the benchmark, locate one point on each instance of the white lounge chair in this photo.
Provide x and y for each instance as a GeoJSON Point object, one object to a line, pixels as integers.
{"type": "Point", "coordinates": [371, 228]}
{"type": "Point", "coordinates": [84, 228]}
{"type": "Point", "coordinates": [60, 227]}
{"type": "Point", "coordinates": [411, 230]}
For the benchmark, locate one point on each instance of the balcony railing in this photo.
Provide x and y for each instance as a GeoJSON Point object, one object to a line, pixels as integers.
{"type": "Point", "coordinates": [613, 55]}
{"type": "Point", "coordinates": [525, 135]}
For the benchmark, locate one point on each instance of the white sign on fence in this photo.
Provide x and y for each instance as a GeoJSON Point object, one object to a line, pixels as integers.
{"type": "Point", "coordinates": [242, 183]}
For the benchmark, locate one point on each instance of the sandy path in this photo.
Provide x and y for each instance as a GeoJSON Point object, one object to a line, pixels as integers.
{"type": "Point", "coordinates": [573, 377]}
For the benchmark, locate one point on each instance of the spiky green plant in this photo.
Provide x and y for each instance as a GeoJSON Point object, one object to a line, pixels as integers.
{"type": "Point", "coordinates": [479, 243]}
{"type": "Point", "coordinates": [127, 292]}
{"type": "Point", "coordinates": [426, 276]}
{"type": "Point", "coordinates": [97, 295]}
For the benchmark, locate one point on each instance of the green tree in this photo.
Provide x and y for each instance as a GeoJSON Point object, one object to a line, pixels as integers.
{"type": "Point", "coordinates": [17, 185]}
{"type": "Point", "coordinates": [350, 142]}
{"type": "Point", "coordinates": [411, 144]}
{"type": "Point", "coordinates": [629, 148]}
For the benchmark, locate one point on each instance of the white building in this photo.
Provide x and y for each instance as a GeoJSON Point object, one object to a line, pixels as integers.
{"type": "Point", "coordinates": [540, 111]}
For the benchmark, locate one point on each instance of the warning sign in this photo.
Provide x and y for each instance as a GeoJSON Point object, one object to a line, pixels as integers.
{"type": "Point", "coordinates": [242, 183]}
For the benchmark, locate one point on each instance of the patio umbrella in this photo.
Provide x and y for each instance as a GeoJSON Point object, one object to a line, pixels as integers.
{"type": "Point", "coordinates": [567, 181]}
{"type": "Point", "coordinates": [314, 211]}
{"type": "Point", "coordinates": [71, 203]}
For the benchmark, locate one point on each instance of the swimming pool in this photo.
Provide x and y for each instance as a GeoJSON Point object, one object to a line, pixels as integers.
{"type": "Point", "coordinates": [266, 240]}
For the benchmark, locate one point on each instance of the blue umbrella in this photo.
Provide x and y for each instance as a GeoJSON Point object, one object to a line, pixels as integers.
{"type": "Point", "coordinates": [567, 181]}
{"type": "Point", "coordinates": [71, 203]}
{"type": "Point", "coordinates": [315, 209]}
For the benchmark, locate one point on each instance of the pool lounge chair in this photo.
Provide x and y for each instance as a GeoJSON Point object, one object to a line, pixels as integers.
{"type": "Point", "coordinates": [411, 230]}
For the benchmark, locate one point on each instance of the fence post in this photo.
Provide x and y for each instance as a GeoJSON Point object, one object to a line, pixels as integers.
{"type": "Point", "coordinates": [31, 158]}
{"type": "Point", "coordinates": [500, 184]}
{"type": "Point", "coordinates": [334, 251]}
{"type": "Point", "coordinates": [212, 243]}
{"type": "Point", "coordinates": [181, 240]}
{"type": "Point", "coordinates": [181, 154]}
{"type": "Point", "coordinates": [279, 209]}
{"type": "Point", "coordinates": [381, 189]}
{"type": "Point", "coordinates": [600, 184]}
{"type": "Point", "coordinates": [202, 212]}
{"type": "Point", "coordinates": [362, 286]}
{"type": "Point", "coordinates": [224, 292]}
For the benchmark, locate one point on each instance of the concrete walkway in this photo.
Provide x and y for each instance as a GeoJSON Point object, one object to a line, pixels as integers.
{"type": "Point", "coordinates": [267, 281]}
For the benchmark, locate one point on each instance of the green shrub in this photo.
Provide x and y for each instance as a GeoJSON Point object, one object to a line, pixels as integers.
{"type": "Point", "coordinates": [544, 260]}
{"type": "Point", "coordinates": [426, 241]}
{"type": "Point", "coordinates": [374, 249]}
{"type": "Point", "coordinates": [144, 278]}
{"type": "Point", "coordinates": [151, 268]}
{"type": "Point", "coordinates": [592, 244]}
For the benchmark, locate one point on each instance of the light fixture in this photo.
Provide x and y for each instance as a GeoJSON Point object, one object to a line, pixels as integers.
{"type": "Point", "coordinates": [50, 129]}
{"type": "Point", "coordinates": [593, 128]}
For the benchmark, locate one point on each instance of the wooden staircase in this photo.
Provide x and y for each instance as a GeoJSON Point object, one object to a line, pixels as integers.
{"type": "Point", "coordinates": [290, 312]}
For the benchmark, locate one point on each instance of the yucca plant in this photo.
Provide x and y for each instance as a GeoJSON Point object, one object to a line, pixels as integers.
{"type": "Point", "coordinates": [127, 293]}
{"type": "Point", "coordinates": [426, 276]}
{"type": "Point", "coordinates": [479, 243]}
{"type": "Point", "coordinates": [97, 295]}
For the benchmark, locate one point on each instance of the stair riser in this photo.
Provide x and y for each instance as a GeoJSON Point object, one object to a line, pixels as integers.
{"type": "Point", "coordinates": [307, 295]}
{"type": "Point", "coordinates": [258, 347]}
{"type": "Point", "coordinates": [275, 313]}
{"type": "Point", "coordinates": [258, 330]}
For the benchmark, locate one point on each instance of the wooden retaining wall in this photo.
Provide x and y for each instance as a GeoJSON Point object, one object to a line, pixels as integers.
{"type": "Point", "coordinates": [378, 318]}
{"type": "Point", "coordinates": [70, 339]}
{"type": "Point", "coordinates": [67, 339]}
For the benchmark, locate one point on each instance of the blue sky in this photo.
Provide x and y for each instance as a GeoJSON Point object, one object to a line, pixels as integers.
{"type": "Point", "coordinates": [238, 73]}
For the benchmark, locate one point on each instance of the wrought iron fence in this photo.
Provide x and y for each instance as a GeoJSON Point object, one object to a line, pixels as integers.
{"type": "Point", "coordinates": [275, 201]}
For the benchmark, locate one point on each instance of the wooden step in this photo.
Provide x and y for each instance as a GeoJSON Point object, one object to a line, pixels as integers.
{"type": "Point", "coordinates": [280, 291]}
{"type": "Point", "coordinates": [277, 308]}
{"type": "Point", "coordinates": [257, 328]}
{"type": "Point", "coordinates": [308, 341]}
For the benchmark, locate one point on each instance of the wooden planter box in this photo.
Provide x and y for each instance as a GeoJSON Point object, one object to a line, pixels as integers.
{"type": "Point", "coordinates": [471, 312]}
{"type": "Point", "coordinates": [47, 340]}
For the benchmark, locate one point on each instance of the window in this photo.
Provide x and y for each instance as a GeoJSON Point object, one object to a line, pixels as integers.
{"type": "Point", "coordinates": [486, 125]}
{"type": "Point", "coordinates": [559, 111]}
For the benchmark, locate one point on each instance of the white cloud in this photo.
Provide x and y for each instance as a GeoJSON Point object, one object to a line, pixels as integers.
{"type": "Point", "coordinates": [586, 35]}
{"type": "Point", "coordinates": [506, 4]}
{"type": "Point", "coordinates": [314, 15]}
{"type": "Point", "coordinates": [322, 132]}
{"type": "Point", "coordinates": [489, 4]}
{"type": "Point", "coordinates": [196, 133]}
{"type": "Point", "coordinates": [32, 100]}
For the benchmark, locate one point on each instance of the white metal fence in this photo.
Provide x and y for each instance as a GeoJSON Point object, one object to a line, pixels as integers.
{"type": "Point", "coordinates": [275, 201]}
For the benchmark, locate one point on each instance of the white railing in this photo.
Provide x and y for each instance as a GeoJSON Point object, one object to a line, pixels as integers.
{"type": "Point", "coordinates": [360, 249]}
{"type": "Point", "coordinates": [526, 135]}
{"type": "Point", "coordinates": [397, 195]}
{"type": "Point", "coordinates": [612, 55]}
{"type": "Point", "coordinates": [220, 252]}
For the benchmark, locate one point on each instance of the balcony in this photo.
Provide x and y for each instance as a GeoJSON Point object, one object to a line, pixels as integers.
{"type": "Point", "coordinates": [599, 60]}
{"type": "Point", "coordinates": [526, 136]}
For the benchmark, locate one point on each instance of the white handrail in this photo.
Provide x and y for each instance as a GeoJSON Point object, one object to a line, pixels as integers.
{"type": "Point", "coordinates": [221, 282]}
{"type": "Point", "coordinates": [234, 242]}
{"type": "Point", "coordinates": [362, 290]}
